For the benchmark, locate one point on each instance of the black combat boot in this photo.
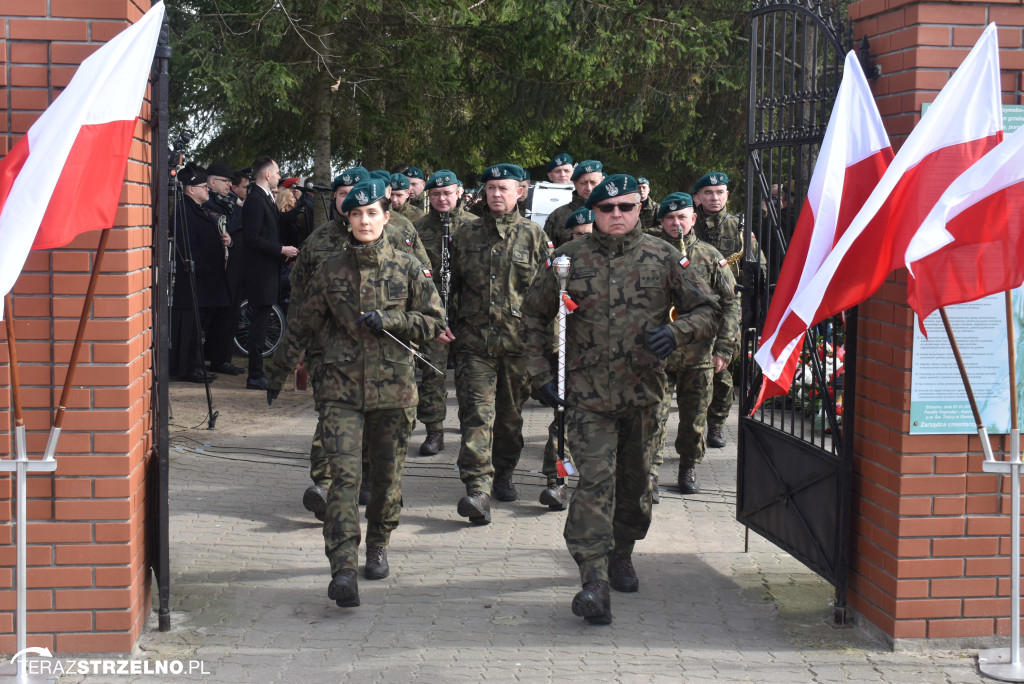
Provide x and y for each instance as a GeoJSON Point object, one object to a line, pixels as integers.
{"type": "Point", "coordinates": [344, 589]}
{"type": "Point", "coordinates": [594, 603]}
{"type": "Point", "coordinates": [503, 489]}
{"type": "Point", "coordinates": [365, 489]}
{"type": "Point", "coordinates": [621, 574]}
{"type": "Point", "coordinates": [433, 444]}
{"type": "Point", "coordinates": [688, 481]}
{"type": "Point", "coordinates": [555, 497]}
{"type": "Point", "coordinates": [314, 500]}
{"type": "Point", "coordinates": [376, 563]}
{"type": "Point", "coordinates": [655, 490]}
{"type": "Point", "coordinates": [476, 507]}
{"type": "Point", "coordinates": [716, 438]}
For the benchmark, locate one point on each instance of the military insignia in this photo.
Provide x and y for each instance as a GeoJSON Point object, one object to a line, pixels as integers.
{"type": "Point", "coordinates": [447, 178]}
{"type": "Point", "coordinates": [362, 197]}
{"type": "Point", "coordinates": [408, 242]}
{"type": "Point", "coordinates": [426, 272]}
{"type": "Point", "coordinates": [713, 179]}
{"type": "Point", "coordinates": [684, 262]}
{"type": "Point", "coordinates": [612, 190]}
{"type": "Point", "coordinates": [580, 219]}
{"type": "Point", "coordinates": [673, 206]}
{"type": "Point", "coordinates": [551, 245]}
{"type": "Point", "coordinates": [494, 171]}
{"type": "Point", "coordinates": [723, 262]}
{"type": "Point", "coordinates": [588, 168]}
{"type": "Point", "coordinates": [346, 179]}
{"type": "Point", "coordinates": [547, 264]}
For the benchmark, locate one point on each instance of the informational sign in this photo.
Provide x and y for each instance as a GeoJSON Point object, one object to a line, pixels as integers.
{"type": "Point", "coordinates": [1013, 116]}
{"type": "Point", "coordinates": [938, 401]}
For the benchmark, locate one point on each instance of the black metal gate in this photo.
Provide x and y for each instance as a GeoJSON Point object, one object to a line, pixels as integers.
{"type": "Point", "coordinates": [793, 477]}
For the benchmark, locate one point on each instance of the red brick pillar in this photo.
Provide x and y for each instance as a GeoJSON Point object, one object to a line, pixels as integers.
{"type": "Point", "coordinates": [88, 581]}
{"type": "Point", "coordinates": [930, 532]}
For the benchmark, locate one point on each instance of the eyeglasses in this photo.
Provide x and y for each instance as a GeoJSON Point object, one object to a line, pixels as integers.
{"type": "Point", "coordinates": [624, 207]}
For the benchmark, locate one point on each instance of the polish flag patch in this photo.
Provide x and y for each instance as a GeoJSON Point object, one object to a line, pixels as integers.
{"type": "Point", "coordinates": [684, 262]}
{"type": "Point", "coordinates": [426, 272]}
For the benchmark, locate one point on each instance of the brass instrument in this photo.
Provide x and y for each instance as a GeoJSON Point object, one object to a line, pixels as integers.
{"type": "Point", "coordinates": [222, 228]}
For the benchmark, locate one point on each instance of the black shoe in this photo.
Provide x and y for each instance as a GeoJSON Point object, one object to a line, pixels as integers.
{"type": "Point", "coordinates": [227, 368]}
{"type": "Point", "coordinates": [594, 603]}
{"type": "Point", "coordinates": [256, 384]}
{"type": "Point", "coordinates": [433, 444]}
{"type": "Point", "coordinates": [688, 481]}
{"type": "Point", "coordinates": [376, 563]}
{"type": "Point", "coordinates": [199, 377]}
{"type": "Point", "coordinates": [555, 497]}
{"type": "Point", "coordinates": [503, 488]}
{"type": "Point", "coordinates": [716, 439]}
{"type": "Point", "coordinates": [344, 589]}
{"type": "Point", "coordinates": [365, 490]}
{"type": "Point", "coordinates": [314, 500]}
{"type": "Point", "coordinates": [476, 507]}
{"type": "Point", "coordinates": [621, 574]}
{"type": "Point", "coordinates": [655, 490]}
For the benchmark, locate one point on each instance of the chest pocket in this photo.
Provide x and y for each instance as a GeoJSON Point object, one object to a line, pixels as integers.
{"type": "Point", "coordinates": [649, 278]}
{"type": "Point", "coordinates": [729, 246]}
{"type": "Point", "coordinates": [398, 290]}
{"type": "Point", "coordinates": [521, 255]}
{"type": "Point", "coordinates": [582, 272]}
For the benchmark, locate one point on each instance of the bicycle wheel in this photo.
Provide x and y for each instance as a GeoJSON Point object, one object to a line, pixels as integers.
{"type": "Point", "coordinates": [275, 330]}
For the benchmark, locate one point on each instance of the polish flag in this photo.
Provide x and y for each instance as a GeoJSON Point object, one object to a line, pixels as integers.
{"type": "Point", "coordinates": [64, 177]}
{"type": "Point", "coordinates": [852, 158]}
{"type": "Point", "coordinates": [963, 123]}
{"type": "Point", "coordinates": [971, 244]}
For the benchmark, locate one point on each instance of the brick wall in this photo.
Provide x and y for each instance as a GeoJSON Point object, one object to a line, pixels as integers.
{"type": "Point", "coordinates": [88, 580]}
{"type": "Point", "coordinates": [931, 535]}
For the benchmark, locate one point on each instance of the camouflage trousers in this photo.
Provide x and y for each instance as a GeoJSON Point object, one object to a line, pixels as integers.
{"type": "Point", "coordinates": [433, 393]}
{"type": "Point", "coordinates": [319, 463]}
{"type": "Point", "coordinates": [491, 393]}
{"type": "Point", "coordinates": [386, 443]}
{"type": "Point", "coordinates": [693, 386]}
{"type": "Point", "coordinates": [611, 507]}
{"type": "Point", "coordinates": [721, 403]}
{"type": "Point", "coordinates": [549, 467]}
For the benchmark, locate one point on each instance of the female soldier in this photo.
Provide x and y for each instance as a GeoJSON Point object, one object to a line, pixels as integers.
{"type": "Point", "coordinates": [366, 381]}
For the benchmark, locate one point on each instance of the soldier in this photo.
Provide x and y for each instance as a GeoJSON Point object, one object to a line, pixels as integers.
{"type": "Point", "coordinates": [556, 495]}
{"type": "Point", "coordinates": [367, 390]}
{"type": "Point", "coordinates": [690, 368]}
{"type": "Point", "coordinates": [400, 197]}
{"type": "Point", "coordinates": [721, 230]}
{"type": "Point", "coordinates": [623, 283]}
{"type": "Point", "coordinates": [648, 208]}
{"type": "Point", "coordinates": [559, 169]}
{"type": "Point", "coordinates": [494, 259]}
{"type": "Point", "coordinates": [442, 192]}
{"type": "Point", "coordinates": [585, 176]}
{"type": "Point", "coordinates": [417, 182]}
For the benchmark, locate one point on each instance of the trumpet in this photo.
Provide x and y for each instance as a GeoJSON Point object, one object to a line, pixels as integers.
{"type": "Point", "coordinates": [222, 228]}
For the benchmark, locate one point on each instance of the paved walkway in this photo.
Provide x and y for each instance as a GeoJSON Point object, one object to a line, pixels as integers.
{"type": "Point", "coordinates": [249, 578]}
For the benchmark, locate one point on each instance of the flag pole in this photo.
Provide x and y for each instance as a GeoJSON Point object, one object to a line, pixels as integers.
{"type": "Point", "coordinates": [982, 432]}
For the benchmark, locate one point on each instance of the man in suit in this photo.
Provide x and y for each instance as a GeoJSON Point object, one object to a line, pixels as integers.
{"type": "Point", "coordinates": [263, 252]}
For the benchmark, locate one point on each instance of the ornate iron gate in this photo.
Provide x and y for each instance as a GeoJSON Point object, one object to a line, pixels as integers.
{"type": "Point", "coordinates": [793, 477]}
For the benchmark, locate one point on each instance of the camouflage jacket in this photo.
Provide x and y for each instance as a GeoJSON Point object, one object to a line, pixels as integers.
{"type": "Point", "coordinates": [555, 225]}
{"type": "Point", "coordinates": [430, 229]}
{"type": "Point", "coordinates": [400, 232]}
{"type": "Point", "coordinates": [493, 263]}
{"type": "Point", "coordinates": [359, 369]}
{"type": "Point", "coordinates": [623, 286]}
{"type": "Point", "coordinates": [649, 217]}
{"type": "Point", "coordinates": [409, 211]}
{"type": "Point", "coordinates": [722, 231]}
{"type": "Point", "coordinates": [710, 265]}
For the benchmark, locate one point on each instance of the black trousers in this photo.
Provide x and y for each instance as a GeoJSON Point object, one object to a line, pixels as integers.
{"type": "Point", "coordinates": [220, 335]}
{"type": "Point", "coordinates": [260, 316]}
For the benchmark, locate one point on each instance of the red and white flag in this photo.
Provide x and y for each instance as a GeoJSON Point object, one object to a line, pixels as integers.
{"type": "Point", "coordinates": [963, 123]}
{"type": "Point", "coordinates": [971, 244]}
{"type": "Point", "coordinates": [852, 158]}
{"type": "Point", "coordinates": [64, 177]}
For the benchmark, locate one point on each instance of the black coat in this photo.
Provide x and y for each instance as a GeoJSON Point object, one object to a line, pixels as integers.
{"type": "Point", "coordinates": [197, 237]}
{"type": "Point", "coordinates": [228, 207]}
{"type": "Point", "coordinates": [262, 248]}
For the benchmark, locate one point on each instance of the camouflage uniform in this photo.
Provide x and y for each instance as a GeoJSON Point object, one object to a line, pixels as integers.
{"type": "Point", "coordinates": [649, 217]}
{"type": "Point", "coordinates": [364, 384]}
{"type": "Point", "coordinates": [493, 263]}
{"type": "Point", "coordinates": [555, 225]}
{"type": "Point", "coordinates": [623, 286]}
{"type": "Point", "coordinates": [690, 368]}
{"type": "Point", "coordinates": [410, 212]}
{"type": "Point", "coordinates": [432, 408]}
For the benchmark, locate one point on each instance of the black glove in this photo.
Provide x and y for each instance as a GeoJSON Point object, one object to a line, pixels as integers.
{"type": "Point", "coordinates": [547, 395]}
{"type": "Point", "coordinates": [661, 341]}
{"type": "Point", "coordinates": [272, 395]}
{"type": "Point", "coordinates": [371, 319]}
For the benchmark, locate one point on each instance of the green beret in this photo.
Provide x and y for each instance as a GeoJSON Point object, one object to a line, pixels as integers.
{"type": "Point", "coordinates": [713, 178]}
{"type": "Point", "coordinates": [642, 181]}
{"type": "Point", "coordinates": [399, 181]}
{"type": "Point", "coordinates": [382, 174]}
{"type": "Point", "coordinates": [612, 186]}
{"type": "Point", "coordinates": [589, 166]}
{"type": "Point", "coordinates": [559, 160]}
{"type": "Point", "coordinates": [364, 193]}
{"type": "Point", "coordinates": [503, 172]}
{"type": "Point", "coordinates": [442, 179]}
{"type": "Point", "coordinates": [413, 172]}
{"type": "Point", "coordinates": [674, 202]}
{"type": "Point", "coordinates": [579, 217]}
{"type": "Point", "coordinates": [350, 177]}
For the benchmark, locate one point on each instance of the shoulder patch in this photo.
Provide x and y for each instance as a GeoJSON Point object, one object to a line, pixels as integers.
{"type": "Point", "coordinates": [723, 262]}
{"type": "Point", "coordinates": [551, 245]}
{"type": "Point", "coordinates": [426, 272]}
{"type": "Point", "coordinates": [547, 264]}
{"type": "Point", "coordinates": [408, 241]}
{"type": "Point", "coordinates": [684, 262]}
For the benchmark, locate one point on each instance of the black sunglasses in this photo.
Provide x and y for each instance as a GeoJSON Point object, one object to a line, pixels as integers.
{"type": "Point", "coordinates": [624, 207]}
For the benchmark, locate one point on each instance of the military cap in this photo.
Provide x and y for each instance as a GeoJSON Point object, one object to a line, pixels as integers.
{"type": "Point", "coordinates": [350, 177]}
{"type": "Point", "coordinates": [612, 186]}
{"type": "Point", "coordinates": [382, 174]}
{"type": "Point", "coordinates": [642, 181]}
{"type": "Point", "coordinates": [442, 178]}
{"type": "Point", "coordinates": [559, 160]}
{"type": "Point", "coordinates": [288, 182]}
{"type": "Point", "coordinates": [218, 169]}
{"type": "Point", "coordinates": [674, 202]}
{"type": "Point", "coordinates": [713, 178]}
{"type": "Point", "coordinates": [399, 181]}
{"type": "Point", "coordinates": [503, 172]}
{"type": "Point", "coordinates": [579, 217]}
{"type": "Point", "coordinates": [192, 174]}
{"type": "Point", "coordinates": [364, 193]}
{"type": "Point", "coordinates": [414, 172]}
{"type": "Point", "coordinates": [589, 166]}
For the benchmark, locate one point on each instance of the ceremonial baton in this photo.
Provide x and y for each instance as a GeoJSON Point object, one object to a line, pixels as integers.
{"type": "Point", "coordinates": [412, 351]}
{"type": "Point", "coordinates": [563, 466]}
